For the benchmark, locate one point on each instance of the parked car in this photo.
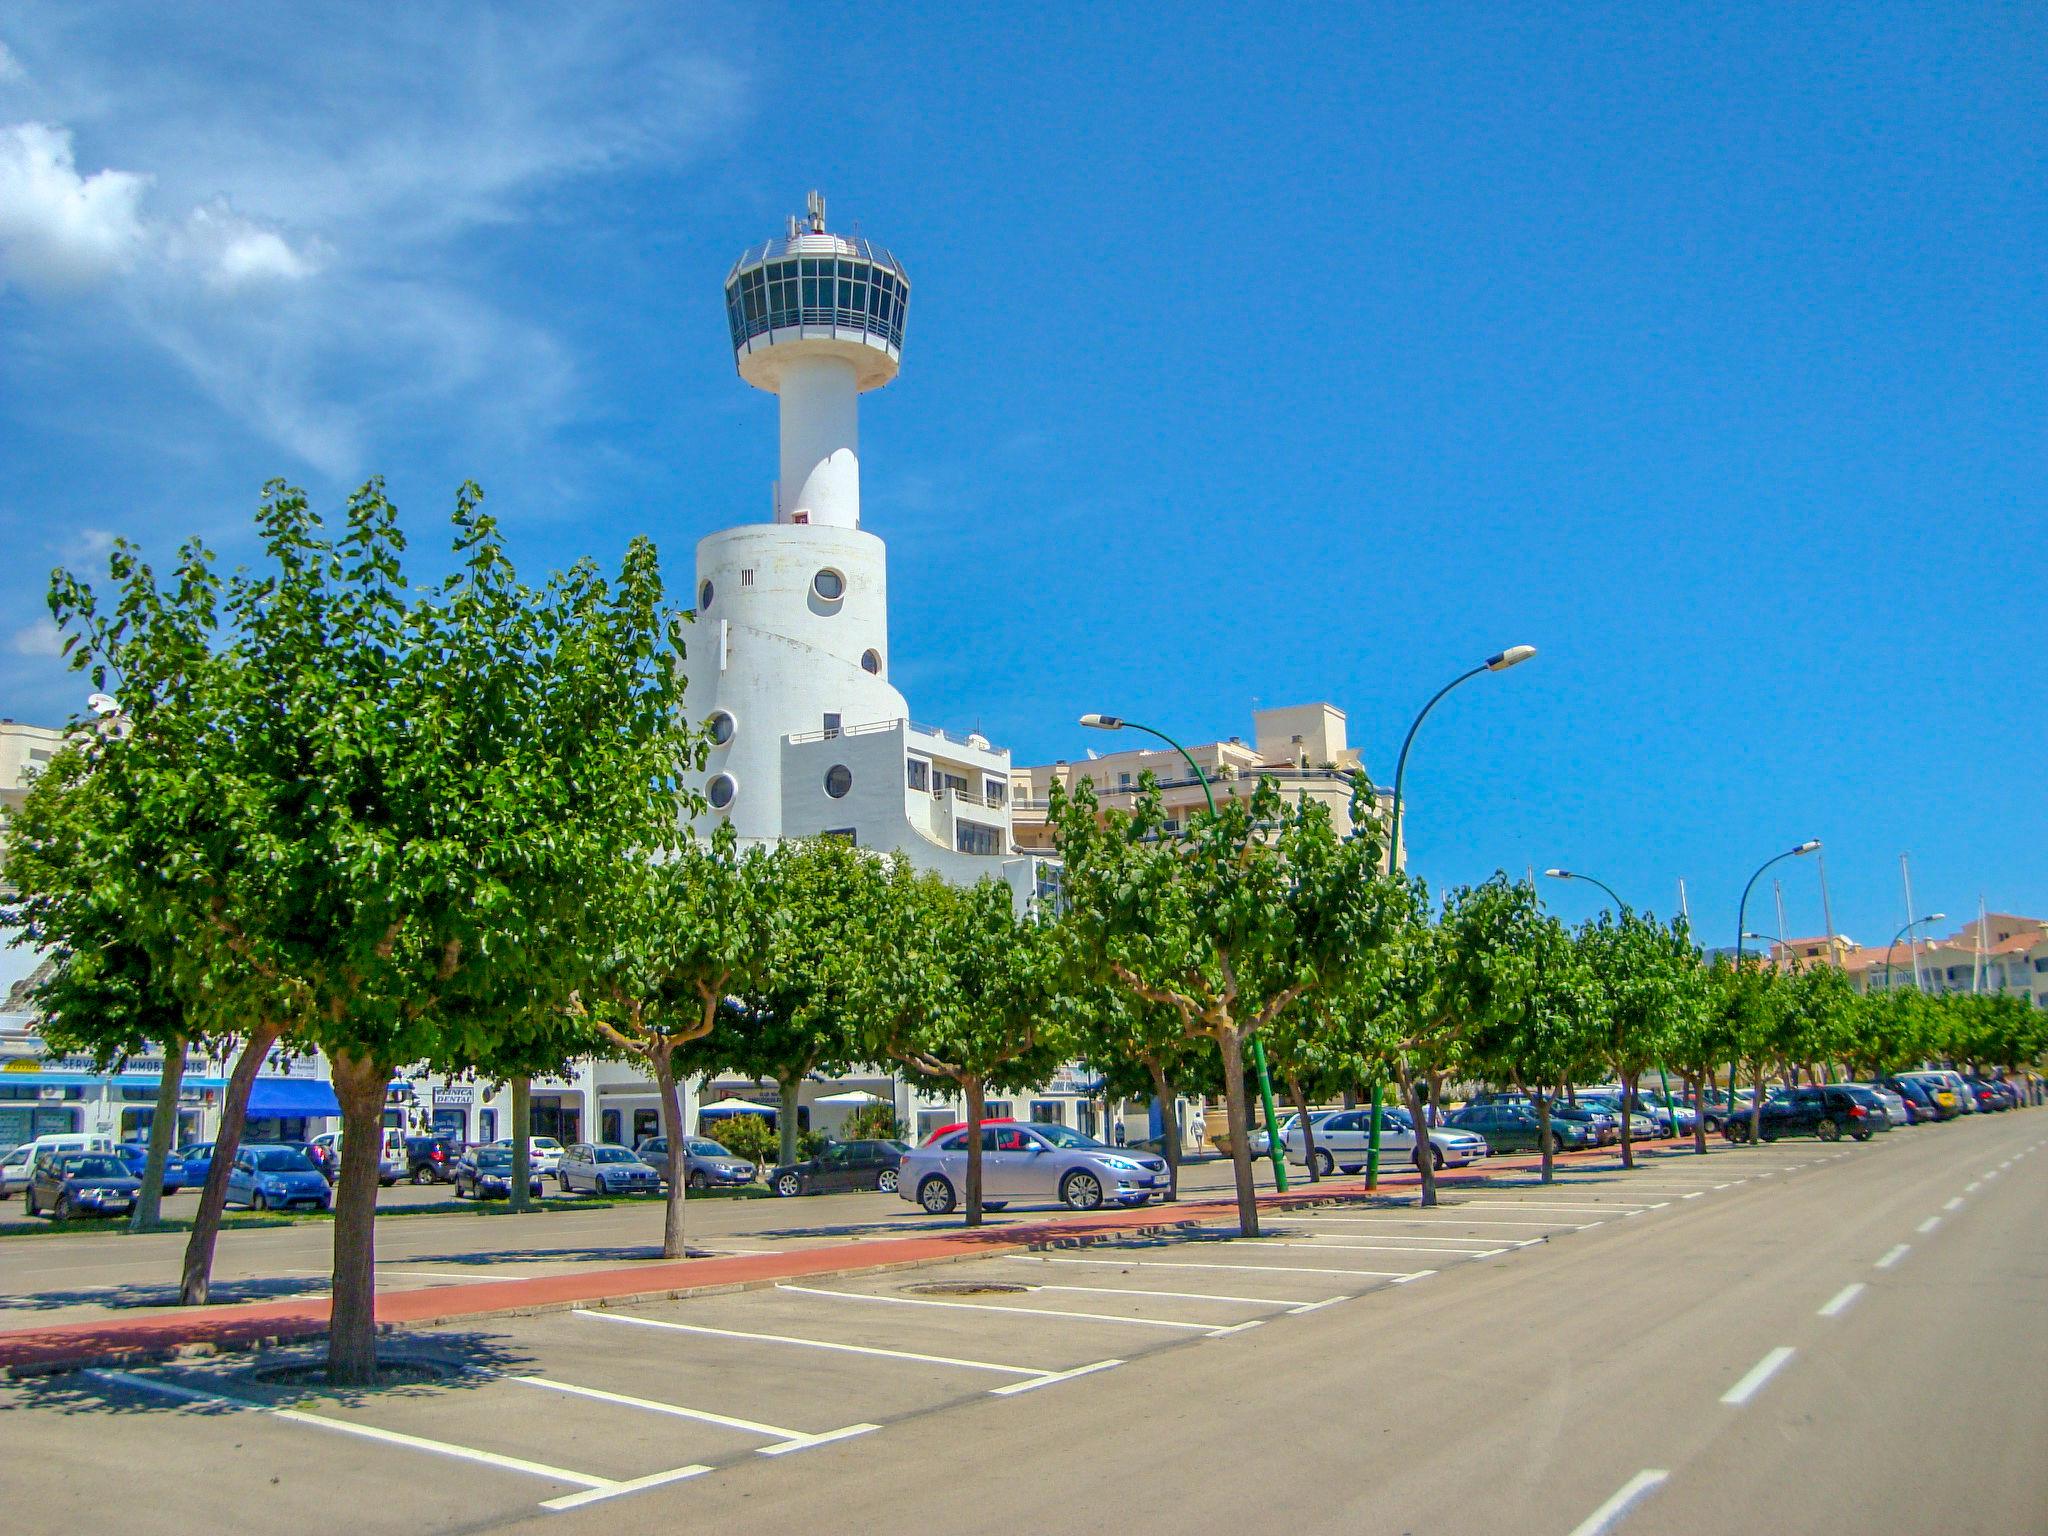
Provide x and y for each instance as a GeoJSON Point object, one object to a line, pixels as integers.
{"type": "Point", "coordinates": [1640, 1126]}
{"type": "Point", "coordinates": [604, 1168]}
{"type": "Point", "coordinates": [14, 1169]}
{"type": "Point", "coordinates": [430, 1159]}
{"type": "Point", "coordinates": [1026, 1160]}
{"type": "Point", "coordinates": [326, 1161]}
{"type": "Point", "coordinates": [135, 1156]}
{"type": "Point", "coordinates": [842, 1165]}
{"type": "Point", "coordinates": [706, 1164]}
{"type": "Point", "coordinates": [1342, 1138]}
{"type": "Point", "coordinates": [198, 1160]}
{"type": "Point", "coordinates": [1829, 1113]}
{"type": "Point", "coordinates": [1992, 1094]}
{"type": "Point", "coordinates": [1893, 1104]}
{"type": "Point", "coordinates": [1514, 1127]}
{"type": "Point", "coordinates": [1925, 1101]}
{"type": "Point", "coordinates": [270, 1176]}
{"type": "Point", "coordinates": [486, 1172]}
{"type": "Point", "coordinates": [544, 1153]}
{"type": "Point", "coordinates": [1604, 1127]}
{"type": "Point", "coordinates": [326, 1155]}
{"type": "Point", "coordinates": [73, 1184]}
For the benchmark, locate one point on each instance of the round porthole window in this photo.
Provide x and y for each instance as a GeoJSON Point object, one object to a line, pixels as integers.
{"type": "Point", "coordinates": [720, 790]}
{"type": "Point", "coordinates": [838, 780]}
{"type": "Point", "coordinates": [721, 726]}
{"type": "Point", "coordinates": [871, 661]}
{"type": "Point", "coordinates": [704, 593]}
{"type": "Point", "coordinates": [829, 585]}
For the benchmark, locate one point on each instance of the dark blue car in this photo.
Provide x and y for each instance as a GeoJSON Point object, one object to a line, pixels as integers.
{"type": "Point", "coordinates": [198, 1160]}
{"type": "Point", "coordinates": [136, 1155]}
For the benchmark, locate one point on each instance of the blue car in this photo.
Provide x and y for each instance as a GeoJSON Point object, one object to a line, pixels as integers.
{"type": "Point", "coordinates": [198, 1160]}
{"type": "Point", "coordinates": [273, 1178]}
{"type": "Point", "coordinates": [136, 1155]}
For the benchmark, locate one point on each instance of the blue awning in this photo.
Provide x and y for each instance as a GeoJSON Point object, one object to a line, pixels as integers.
{"type": "Point", "coordinates": [281, 1098]}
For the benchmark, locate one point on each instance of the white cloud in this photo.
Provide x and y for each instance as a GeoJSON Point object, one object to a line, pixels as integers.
{"type": "Point", "coordinates": [230, 251]}
{"type": "Point", "coordinates": [60, 230]}
{"type": "Point", "coordinates": [10, 67]}
{"type": "Point", "coordinates": [38, 639]}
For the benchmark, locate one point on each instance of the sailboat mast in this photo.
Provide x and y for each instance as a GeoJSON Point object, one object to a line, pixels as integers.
{"type": "Point", "coordinates": [1912, 938]}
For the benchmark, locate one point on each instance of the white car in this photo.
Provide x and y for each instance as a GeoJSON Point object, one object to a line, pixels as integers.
{"type": "Point", "coordinates": [1029, 1161]}
{"type": "Point", "coordinates": [1640, 1126]}
{"type": "Point", "coordinates": [390, 1162]}
{"type": "Point", "coordinates": [14, 1171]}
{"type": "Point", "coordinates": [1342, 1137]}
{"type": "Point", "coordinates": [546, 1155]}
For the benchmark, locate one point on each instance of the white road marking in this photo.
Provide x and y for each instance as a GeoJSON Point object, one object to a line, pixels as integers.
{"type": "Point", "coordinates": [1555, 1205]}
{"type": "Point", "coordinates": [1954, 1205]}
{"type": "Point", "coordinates": [631, 1485]}
{"type": "Point", "coordinates": [1125, 1290]}
{"type": "Point", "coordinates": [1285, 1242]}
{"type": "Point", "coordinates": [1843, 1299]}
{"type": "Point", "coordinates": [1436, 1237]}
{"type": "Point", "coordinates": [985, 1306]}
{"type": "Point", "coordinates": [1051, 1378]}
{"type": "Point", "coordinates": [364, 1431]}
{"type": "Point", "coordinates": [1928, 1225]}
{"type": "Point", "coordinates": [1272, 1269]}
{"type": "Point", "coordinates": [1608, 1515]}
{"type": "Point", "coordinates": [1317, 1306]}
{"type": "Point", "coordinates": [1973, 1186]}
{"type": "Point", "coordinates": [1756, 1376]}
{"type": "Point", "coordinates": [1420, 1274]}
{"type": "Point", "coordinates": [827, 1344]}
{"type": "Point", "coordinates": [1694, 1195]}
{"type": "Point", "coordinates": [792, 1439]}
{"type": "Point", "coordinates": [1893, 1256]}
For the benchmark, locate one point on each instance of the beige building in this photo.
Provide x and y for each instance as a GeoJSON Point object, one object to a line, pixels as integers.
{"type": "Point", "coordinates": [1303, 747]}
{"type": "Point", "coordinates": [2002, 952]}
{"type": "Point", "coordinates": [24, 749]}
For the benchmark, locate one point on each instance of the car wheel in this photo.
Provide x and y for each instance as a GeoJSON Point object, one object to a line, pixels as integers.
{"type": "Point", "coordinates": [1081, 1190]}
{"type": "Point", "coordinates": [789, 1184]}
{"type": "Point", "coordinates": [1864, 1135]}
{"type": "Point", "coordinates": [423, 1175]}
{"type": "Point", "coordinates": [936, 1195]}
{"type": "Point", "coordinates": [258, 1203]}
{"type": "Point", "coordinates": [28, 1199]}
{"type": "Point", "coordinates": [697, 1181]}
{"type": "Point", "coordinates": [1325, 1164]}
{"type": "Point", "coordinates": [1827, 1130]}
{"type": "Point", "coordinates": [885, 1181]}
{"type": "Point", "coordinates": [64, 1210]}
{"type": "Point", "coordinates": [995, 1205]}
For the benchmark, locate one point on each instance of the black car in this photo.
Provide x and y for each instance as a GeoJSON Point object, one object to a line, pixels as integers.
{"type": "Point", "coordinates": [486, 1172]}
{"type": "Point", "coordinates": [1991, 1093]}
{"type": "Point", "coordinates": [1510, 1127]}
{"type": "Point", "coordinates": [1921, 1105]}
{"type": "Point", "coordinates": [73, 1184]}
{"type": "Point", "coordinates": [430, 1160]}
{"type": "Point", "coordinates": [842, 1165]}
{"type": "Point", "coordinates": [1829, 1113]}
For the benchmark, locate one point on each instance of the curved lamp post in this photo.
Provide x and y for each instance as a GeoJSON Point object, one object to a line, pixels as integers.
{"type": "Point", "coordinates": [1811, 845]}
{"type": "Point", "coordinates": [1663, 1078]}
{"type": "Point", "coordinates": [1932, 917]}
{"type": "Point", "coordinates": [1500, 661]}
{"type": "Point", "coordinates": [1274, 1148]}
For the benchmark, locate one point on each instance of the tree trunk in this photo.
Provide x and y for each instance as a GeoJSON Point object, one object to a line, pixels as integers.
{"type": "Point", "coordinates": [977, 1106]}
{"type": "Point", "coordinates": [359, 1083]}
{"type": "Point", "coordinates": [1232, 1047]}
{"type": "Point", "coordinates": [1543, 1136]}
{"type": "Point", "coordinates": [1756, 1105]}
{"type": "Point", "coordinates": [672, 1245]}
{"type": "Point", "coordinates": [1308, 1135]}
{"type": "Point", "coordinates": [1628, 1150]}
{"type": "Point", "coordinates": [521, 1196]}
{"type": "Point", "coordinates": [1699, 1117]}
{"type": "Point", "coordinates": [198, 1273]}
{"type": "Point", "coordinates": [1425, 1163]}
{"type": "Point", "coordinates": [787, 1089]}
{"type": "Point", "coordinates": [163, 1128]}
{"type": "Point", "coordinates": [1169, 1130]}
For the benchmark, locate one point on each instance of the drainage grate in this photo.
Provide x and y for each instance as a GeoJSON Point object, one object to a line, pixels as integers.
{"type": "Point", "coordinates": [967, 1288]}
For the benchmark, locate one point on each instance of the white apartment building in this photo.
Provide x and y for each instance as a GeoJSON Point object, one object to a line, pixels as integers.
{"type": "Point", "coordinates": [2001, 952]}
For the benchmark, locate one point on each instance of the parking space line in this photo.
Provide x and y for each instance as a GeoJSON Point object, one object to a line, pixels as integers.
{"type": "Point", "coordinates": [630, 1485]}
{"type": "Point", "coordinates": [676, 1410]}
{"type": "Point", "coordinates": [1608, 1515]}
{"type": "Point", "coordinates": [1285, 1242]}
{"type": "Point", "coordinates": [1427, 1237]}
{"type": "Point", "coordinates": [1458, 1221]}
{"type": "Point", "coordinates": [1843, 1300]}
{"type": "Point", "coordinates": [986, 1306]}
{"type": "Point", "coordinates": [363, 1431]}
{"type": "Point", "coordinates": [1317, 1306]}
{"type": "Point", "coordinates": [1754, 1378]}
{"type": "Point", "coordinates": [1551, 1205]}
{"type": "Point", "coordinates": [1420, 1274]}
{"type": "Point", "coordinates": [1272, 1269]}
{"type": "Point", "coordinates": [1124, 1290]}
{"type": "Point", "coordinates": [828, 1344]}
{"type": "Point", "coordinates": [1052, 1378]}
{"type": "Point", "coordinates": [1893, 1256]}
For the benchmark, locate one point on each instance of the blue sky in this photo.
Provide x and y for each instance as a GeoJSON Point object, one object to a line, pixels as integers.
{"type": "Point", "coordinates": [1701, 347]}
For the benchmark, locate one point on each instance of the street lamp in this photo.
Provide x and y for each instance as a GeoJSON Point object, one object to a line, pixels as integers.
{"type": "Point", "coordinates": [1663, 1077]}
{"type": "Point", "coordinates": [1499, 661]}
{"type": "Point", "coordinates": [1101, 722]}
{"type": "Point", "coordinates": [1811, 845]}
{"type": "Point", "coordinates": [1932, 917]}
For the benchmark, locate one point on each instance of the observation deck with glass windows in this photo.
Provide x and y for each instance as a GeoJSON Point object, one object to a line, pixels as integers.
{"type": "Point", "coordinates": [812, 287]}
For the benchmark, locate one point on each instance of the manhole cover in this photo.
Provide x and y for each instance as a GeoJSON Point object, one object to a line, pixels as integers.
{"type": "Point", "coordinates": [967, 1288]}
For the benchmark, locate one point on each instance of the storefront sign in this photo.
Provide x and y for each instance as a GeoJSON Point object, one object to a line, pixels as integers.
{"type": "Point", "coordinates": [454, 1098]}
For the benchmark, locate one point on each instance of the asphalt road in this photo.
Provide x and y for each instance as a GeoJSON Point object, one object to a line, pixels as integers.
{"type": "Point", "coordinates": [1788, 1338]}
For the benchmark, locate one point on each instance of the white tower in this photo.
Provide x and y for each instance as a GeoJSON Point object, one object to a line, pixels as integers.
{"type": "Point", "coordinates": [789, 660]}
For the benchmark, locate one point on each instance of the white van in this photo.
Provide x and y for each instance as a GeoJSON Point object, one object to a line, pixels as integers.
{"type": "Point", "coordinates": [69, 1142]}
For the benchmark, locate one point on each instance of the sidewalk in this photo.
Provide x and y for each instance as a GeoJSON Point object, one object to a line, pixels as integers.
{"type": "Point", "coordinates": [63, 1346]}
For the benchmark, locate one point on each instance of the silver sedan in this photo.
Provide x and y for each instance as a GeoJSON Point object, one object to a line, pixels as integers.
{"type": "Point", "coordinates": [1032, 1162]}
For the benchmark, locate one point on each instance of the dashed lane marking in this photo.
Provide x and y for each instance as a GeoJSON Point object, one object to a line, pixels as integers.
{"type": "Point", "coordinates": [1954, 1205]}
{"type": "Point", "coordinates": [1892, 1256]}
{"type": "Point", "coordinates": [1928, 1225]}
{"type": "Point", "coordinates": [1624, 1498]}
{"type": "Point", "coordinates": [1754, 1378]}
{"type": "Point", "coordinates": [1843, 1300]}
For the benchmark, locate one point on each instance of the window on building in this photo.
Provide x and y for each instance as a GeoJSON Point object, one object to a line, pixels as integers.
{"type": "Point", "coordinates": [829, 585]}
{"type": "Point", "coordinates": [871, 661]}
{"type": "Point", "coordinates": [832, 725]}
{"type": "Point", "coordinates": [747, 577]}
{"type": "Point", "coordinates": [646, 1125]}
{"type": "Point", "coordinates": [1122, 779]}
{"type": "Point", "coordinates": [838, 781]}
{"type": "Point", "coordinates": [721, 724]}
{"type": "Point", "coordinates": [845, 834]}
{"type": "Point", "coordinates": [918, 771]}
{"type": "Point", "coordinates": [950, 781]}
{"type": "Point", "coordinates": [996, 1109]}
{"type": "Point", "coordinates": [970, 838]}
{"type": "Point", "coordinates": [994, 791]}
{"type": "Point", "coordinates": [704, 595]}
{"type": "Point", "coordinates": [1048, 1112]}
{"type": "Point", "coordinates": [2041, 964]}
{"type": "Point", "coordinates": [720, 790]}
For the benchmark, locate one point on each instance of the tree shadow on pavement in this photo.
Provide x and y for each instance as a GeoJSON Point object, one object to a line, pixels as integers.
{"type": "Point", "coordinates": [223, 1293]}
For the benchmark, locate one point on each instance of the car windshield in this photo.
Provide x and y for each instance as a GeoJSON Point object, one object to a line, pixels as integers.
{"type": "Point", "coordinates": [613, 1155]}
{"type": "Point", "coordinates": [282, 1160]}
{"type": "Point", "coordinates": [1063, 1136]}
{"type": "Point", "coordinates": [494, 1157]}
{"type": "Point", "coordinates": [96, 1167]}
{"type": "Point", "coordinates": [700, 1147]}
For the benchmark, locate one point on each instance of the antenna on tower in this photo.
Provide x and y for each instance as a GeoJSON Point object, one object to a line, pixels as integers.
{"type": "Point", "coordinates": [816, 204]}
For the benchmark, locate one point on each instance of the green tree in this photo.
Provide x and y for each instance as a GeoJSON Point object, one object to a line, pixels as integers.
{"type": "Point", "coordinates": [1229, 925]}
{"type": "Point", "coordinates": [1634, 960]}
{"type": "Point", "coordinates": [1139, 1049]}
{"type": "Point", "coordinates": [961, 992]}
